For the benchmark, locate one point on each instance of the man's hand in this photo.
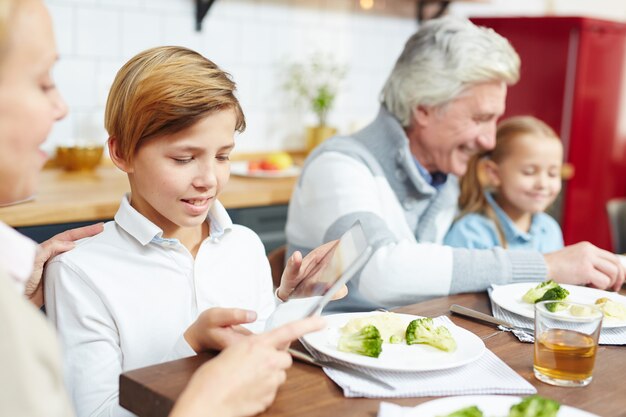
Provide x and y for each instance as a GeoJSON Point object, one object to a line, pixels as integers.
{"type": "Point", "coordinates": [302, 275]}
{"type": "Point", "coordinates": [585, 264]}
{"type": "Point", "coordinates": [244, 378]}
{"type": "Point", "coordinates": [50, 248]}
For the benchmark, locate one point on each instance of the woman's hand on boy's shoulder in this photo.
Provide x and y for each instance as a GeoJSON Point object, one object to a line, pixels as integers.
{"type": "Point", "coordinates": [52, 247]}
{"type": "Point", "coordinates": [217, 328]}
{"type": "Point", "coordinates": [301, 275]}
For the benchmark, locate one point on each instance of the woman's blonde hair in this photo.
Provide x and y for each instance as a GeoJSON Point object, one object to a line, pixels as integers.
{"type": "Point", "coordinates": [165, 90]}
{"type": "Point", "coordinates": [473, 183]}
{"type": "Point", "coordinates": [7, 10]}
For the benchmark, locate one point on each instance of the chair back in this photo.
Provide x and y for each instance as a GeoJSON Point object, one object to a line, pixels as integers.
{"type": "Point", "coordinates": [277, 263]}
{"type": "Point", "coordinates": [616, 209]}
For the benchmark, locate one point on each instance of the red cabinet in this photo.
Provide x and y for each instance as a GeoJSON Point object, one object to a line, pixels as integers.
{"type": "Point", "coordinates": [573, 77]}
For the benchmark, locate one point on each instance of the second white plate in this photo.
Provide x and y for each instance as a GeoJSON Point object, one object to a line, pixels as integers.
{"type": "Point", "coordinates": [490, 405]}
{"type": "Point", "coordinates": [398, 357]}
{"type": "Point", "coordinates": [509, 297]}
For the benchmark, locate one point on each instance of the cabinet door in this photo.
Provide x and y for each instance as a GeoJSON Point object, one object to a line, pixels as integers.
{"type": "Point", "coordinates": [268, 222]}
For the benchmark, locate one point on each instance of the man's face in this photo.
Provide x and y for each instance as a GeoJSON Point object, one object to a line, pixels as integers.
{"type": "Point", "coordinates": [445, 138]}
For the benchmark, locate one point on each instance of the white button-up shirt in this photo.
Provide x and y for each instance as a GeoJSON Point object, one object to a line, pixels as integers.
{"type": "Point", "coordinates": [123, 299]}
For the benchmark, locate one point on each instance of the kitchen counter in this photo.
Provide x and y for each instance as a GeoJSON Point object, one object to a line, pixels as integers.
{"type": "Point", "coordinates": [70, 197]}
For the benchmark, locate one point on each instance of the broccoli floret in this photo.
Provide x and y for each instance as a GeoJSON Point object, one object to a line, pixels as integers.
{"type": "Point", "coordinates": [395, 339]}
{"type": "Point", "coordinates": [533, 294]}
{"type": "Point", "coordinates": [472, 411]}
{"type": "Point", "coordinates": [535, 406]}
{"type": "Point", "coordinates": [366, 341]}
{"type": "Point", "coordinates": [554, 294]}
{"type": "Point", "coordinates": [423, 331]}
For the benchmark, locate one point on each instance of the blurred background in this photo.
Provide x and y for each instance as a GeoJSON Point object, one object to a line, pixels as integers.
{"type": "Point", "coordinates": [253, 39]}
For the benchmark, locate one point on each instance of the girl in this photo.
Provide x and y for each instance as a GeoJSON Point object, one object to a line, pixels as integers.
{"type": "Point", "coordinates": [506, 190]}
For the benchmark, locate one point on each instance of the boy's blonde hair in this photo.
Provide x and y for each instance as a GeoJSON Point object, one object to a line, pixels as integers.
{"type": "Point", "coordinates": [472, 198]}
{"type": "Point", "coordinates": [164, 90]}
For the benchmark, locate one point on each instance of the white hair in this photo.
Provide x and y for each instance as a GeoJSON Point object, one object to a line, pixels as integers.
{"type": "Point", "coordinates": [442, 59]}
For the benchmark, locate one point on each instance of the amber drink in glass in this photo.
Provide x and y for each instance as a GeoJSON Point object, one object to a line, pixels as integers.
{"type": "Point", "coordinates": [566, 342]}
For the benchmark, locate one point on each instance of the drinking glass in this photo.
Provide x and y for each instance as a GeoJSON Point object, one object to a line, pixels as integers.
{"type": "Point", "coordinates": [566, 342]}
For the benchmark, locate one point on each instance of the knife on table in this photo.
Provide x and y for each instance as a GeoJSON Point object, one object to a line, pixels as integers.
{"type": "Point", "coordinates": [468, 312]}
{"type": "Point", "coordinates": [308, 359]}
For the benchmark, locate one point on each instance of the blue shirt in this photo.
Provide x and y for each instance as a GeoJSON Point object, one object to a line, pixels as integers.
{"type": "Point", "coordinates": [479, 232]}
{"type": "Point", "coordinates": [436, 179]}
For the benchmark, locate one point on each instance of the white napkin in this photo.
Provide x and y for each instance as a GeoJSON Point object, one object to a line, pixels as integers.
{"type": "Point", "coordinates": [487, 375]}
{"type": "Point", "coordinates": [608, 336]}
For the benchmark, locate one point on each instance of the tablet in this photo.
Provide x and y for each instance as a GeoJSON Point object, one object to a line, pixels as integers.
{"type": "Point", "coordinates": [338, 266]}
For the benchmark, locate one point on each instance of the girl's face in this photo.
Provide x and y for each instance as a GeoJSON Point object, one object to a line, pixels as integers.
{"type": "Point", "coordinates": [528, 179]}
{"type": "Point", "coordinates": [175, 178]}
{"type": "Point", "coordinates": [29, 101]}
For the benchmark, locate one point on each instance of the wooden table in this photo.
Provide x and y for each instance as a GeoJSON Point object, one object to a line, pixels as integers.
{"type": "Point", "coordinates": [308, 392]}
{"type": "Point", "coordinates": [69, 197]}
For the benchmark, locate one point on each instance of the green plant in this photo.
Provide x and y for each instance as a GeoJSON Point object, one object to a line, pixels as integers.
{"type": "Point", "coordinates": [315, 83]}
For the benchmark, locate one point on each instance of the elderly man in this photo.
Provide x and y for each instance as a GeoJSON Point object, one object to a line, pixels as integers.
{"type": "Point", "coordinates": [398, 176]}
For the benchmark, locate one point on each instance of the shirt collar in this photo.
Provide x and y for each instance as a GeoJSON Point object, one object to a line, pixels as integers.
{"type": "Point", "coordinates": [17, 255]}
{"type": "Point", "coordinates": [436, 179]}
{"type": "Point", "coordinates": [511, 231]}
{"type": "Point", "coordinates": [142, 229]}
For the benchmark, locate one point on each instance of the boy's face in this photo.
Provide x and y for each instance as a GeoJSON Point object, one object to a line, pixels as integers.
{"type": "Point", "coordinates": [175, 178]}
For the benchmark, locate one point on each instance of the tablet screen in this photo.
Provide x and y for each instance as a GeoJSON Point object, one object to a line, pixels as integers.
{"type": "Point", "coordinates": [323, 281]}
{"type": "Point", "coordinates": [333, 267]}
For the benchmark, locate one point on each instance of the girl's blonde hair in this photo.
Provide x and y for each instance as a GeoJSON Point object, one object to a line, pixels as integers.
{"type": "Point", "coordinates": [473, 183]}
{"type": "Point", "coordinates": [165, 90]}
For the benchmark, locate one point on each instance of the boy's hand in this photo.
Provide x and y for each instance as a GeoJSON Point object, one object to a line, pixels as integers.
{"type": "Point", "coordinates": [217, 328]}
{"type": "Point", "coordinates": [57, 244]}
{"type": "Point", "coordinates": [244, 378]}
{"type": "Point", "coordinates": [301, 275]}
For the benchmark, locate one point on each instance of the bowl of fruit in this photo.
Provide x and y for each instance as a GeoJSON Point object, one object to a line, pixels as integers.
{"type": "Point", "coordinates": [274, 165]}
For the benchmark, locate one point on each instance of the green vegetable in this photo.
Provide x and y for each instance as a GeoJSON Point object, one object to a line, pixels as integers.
{"type": "Point", "coordinates": [366, 341]}
{"type": "Point", "coordinates": [535, 406]}
{"type": "Point", "coordinates": [534, 294]}
{"type": "Point", "coordinates": [472, 411]}
{"type": "Point", "coordinates": [554, 294]}
{"type": "Point", "coordinates": [395, 339]}
{"type": "Point", "coordinates": [423, 331]}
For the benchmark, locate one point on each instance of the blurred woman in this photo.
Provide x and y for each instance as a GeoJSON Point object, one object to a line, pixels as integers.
{"type": "Point", "coordinates": [241, 381]}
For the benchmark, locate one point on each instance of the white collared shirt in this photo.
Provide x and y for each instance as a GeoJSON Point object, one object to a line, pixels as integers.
{"type": "Point", "coordinates": [123, 299]}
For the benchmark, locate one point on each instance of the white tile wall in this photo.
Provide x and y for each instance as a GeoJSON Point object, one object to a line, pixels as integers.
{"type": "Point", "coordinates": [251, 39]}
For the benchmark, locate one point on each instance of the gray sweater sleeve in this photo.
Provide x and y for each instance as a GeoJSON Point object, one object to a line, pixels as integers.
{"type": "Point", "coordinates": [475, 270]}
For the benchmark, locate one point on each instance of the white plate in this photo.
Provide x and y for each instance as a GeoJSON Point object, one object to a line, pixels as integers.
{"type": "Point", "coordinates": [398, 357]}
{"type": "Point", "coordinates": [509, 297]}
{"type": "Point", "coordinates": [491, 406]}
{"type": "Point", "coordinates": [240, 168]}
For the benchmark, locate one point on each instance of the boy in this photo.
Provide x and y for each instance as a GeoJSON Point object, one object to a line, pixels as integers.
{"type": "Point", "coordinates": [123, 299]}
